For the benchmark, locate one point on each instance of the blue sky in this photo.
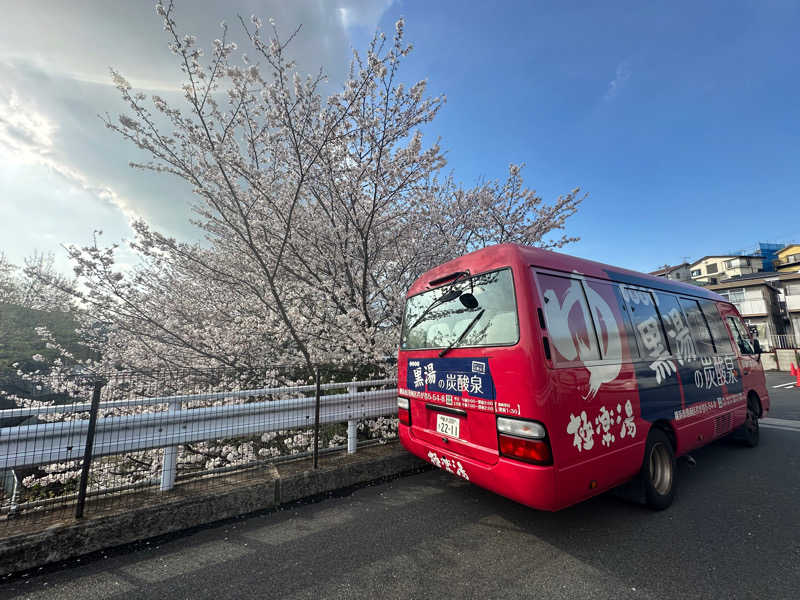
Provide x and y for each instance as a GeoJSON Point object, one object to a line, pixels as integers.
{"type": "Point", "coordinates": [678, 119]}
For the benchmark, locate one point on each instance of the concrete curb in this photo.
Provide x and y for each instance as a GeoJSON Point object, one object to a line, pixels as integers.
{"type": "Point", "coordinates": [179, 510]}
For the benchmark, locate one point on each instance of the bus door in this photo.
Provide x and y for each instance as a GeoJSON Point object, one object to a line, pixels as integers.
{"type": "Point", "coordinates": [595, 417]}
{"type": "Point", "coordinates": [750, 368]}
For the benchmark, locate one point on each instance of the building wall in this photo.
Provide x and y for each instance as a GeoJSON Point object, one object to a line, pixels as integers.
{"type": "Point", "coordinates": [788, 259]}
{"type": "Point", "coordinates": [723, 267]}
{"type": "Point", "coordinates": [791, 295]}
{"type": "Point", "coordinates": [760, 308]}
{"type": "Point", "coordinates": [680, 274]}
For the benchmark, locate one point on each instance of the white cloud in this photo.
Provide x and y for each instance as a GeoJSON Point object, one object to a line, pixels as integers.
{"type": "Point", "coordinates": [621, 77]}
{"type": "Point", "coordinates": [27, 137]}
{"type": "Point", "coordinates": [24, 133]}
{"type": "Point", "coordinates": [362, 13]}
{"type": "Point", "coordinates": [54, 60]}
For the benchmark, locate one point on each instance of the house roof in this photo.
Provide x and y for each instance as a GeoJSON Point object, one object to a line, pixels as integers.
{"type": "Point", "coordinates": [699, 260]}
{"type": "Point", "coordinates": [787, 248]}
{"type": "Point", "coordinates": [754, 279]}
{"type": "Point", "coordinates": [668, 269]}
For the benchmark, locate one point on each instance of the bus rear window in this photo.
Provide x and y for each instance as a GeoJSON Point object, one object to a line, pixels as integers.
{"type": "Point", "coordinates": [429, 322]}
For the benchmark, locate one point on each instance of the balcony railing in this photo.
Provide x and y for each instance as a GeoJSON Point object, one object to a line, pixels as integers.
{"type": "Point", "coordinates": [794, 259]}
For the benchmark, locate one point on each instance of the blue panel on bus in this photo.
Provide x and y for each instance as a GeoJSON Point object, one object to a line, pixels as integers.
{"type": "Point", "coordinates": [457, 376]}
{"type": "Point", "coordinates": [681, 386]}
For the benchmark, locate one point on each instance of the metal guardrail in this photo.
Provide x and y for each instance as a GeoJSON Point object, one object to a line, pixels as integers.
{"type": "Point", "coordinates": [42, 443]}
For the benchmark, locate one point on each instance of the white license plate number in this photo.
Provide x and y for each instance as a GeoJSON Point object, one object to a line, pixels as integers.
{"type": "Point", "coordinates": [447, 425]}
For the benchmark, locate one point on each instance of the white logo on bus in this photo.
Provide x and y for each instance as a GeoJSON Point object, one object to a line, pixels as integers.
{"type": "Point", "coordinates": [571, 346]}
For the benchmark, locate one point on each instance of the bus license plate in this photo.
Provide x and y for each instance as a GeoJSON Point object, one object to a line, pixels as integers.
{"type": "Point", "coordinates": [447, 425]}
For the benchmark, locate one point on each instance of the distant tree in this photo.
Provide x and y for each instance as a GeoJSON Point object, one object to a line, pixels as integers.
{"type": "Point", "coordinates": [37, 286]}
{"type": "Point", "coordinates": [8, 281]}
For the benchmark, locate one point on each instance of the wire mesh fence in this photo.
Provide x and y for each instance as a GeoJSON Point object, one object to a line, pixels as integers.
{"type": "Point", "coordinates": [74, 443]}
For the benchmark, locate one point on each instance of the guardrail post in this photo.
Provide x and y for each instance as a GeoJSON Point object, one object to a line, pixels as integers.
{"type": "Point", "coordinates": [316, 418]}
{"type": "Point", "coordinates": [87, 454]}
{"type": "Point", "coordinates": [169, 466]}
{"type": "Point", "coordinates": [352, 424]}
{"type": "Point", "coordinates": [14, 495]}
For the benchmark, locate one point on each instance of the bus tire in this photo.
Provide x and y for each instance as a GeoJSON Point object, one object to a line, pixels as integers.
{"type": "Point", "coordinates": [658, 470]}
{"type": "Point", "coordinates": [749, 430]}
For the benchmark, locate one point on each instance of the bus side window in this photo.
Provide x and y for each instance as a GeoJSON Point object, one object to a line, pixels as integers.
{"type": "Point", "coordinates": [678, 334]}
{"type": "Point", "coordinates": [603, 297]}
{"type": "Point", "coordinates": [568, 320]}
{"type": "Point", "coordinates": [630, 337]}
{"type": "Point", "coordinates": [697, 323]}
{"type": "Point", "coordinates": [739, 335]}
{"type": "Point", "coordinates": [719, 333]}
{"type": "Point", "coordinates": [646, 323]}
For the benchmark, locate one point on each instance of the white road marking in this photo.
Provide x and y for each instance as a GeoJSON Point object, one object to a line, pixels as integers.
{"type": "Point", "coordinates": [785, 385]}
{"type": "Point", "coordinates": [784, 424]}
{"type": "Point", "coordinates": [792, 429]}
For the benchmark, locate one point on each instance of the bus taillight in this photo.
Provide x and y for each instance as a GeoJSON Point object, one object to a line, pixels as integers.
{"type": "Point", "coordinates": [403, 410]}
{"type": "Point", "coordinates": [523, 440]}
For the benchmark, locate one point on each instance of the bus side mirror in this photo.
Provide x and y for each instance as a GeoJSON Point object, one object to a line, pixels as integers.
{"type": "Point", "coordinates": [469, 301]}
{"type": "Point", "coordinates": [757, 348]}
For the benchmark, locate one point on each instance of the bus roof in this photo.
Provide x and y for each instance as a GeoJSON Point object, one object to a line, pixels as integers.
{"type": "Point", "coordinates": [505, 255]}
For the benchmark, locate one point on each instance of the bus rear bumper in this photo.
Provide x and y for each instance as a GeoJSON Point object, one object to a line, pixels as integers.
{"type": "Point", "coordinates": [531, 485]}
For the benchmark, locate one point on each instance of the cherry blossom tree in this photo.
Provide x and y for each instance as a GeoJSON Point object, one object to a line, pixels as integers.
{"type": "Point", "coordinates": [317, 213]}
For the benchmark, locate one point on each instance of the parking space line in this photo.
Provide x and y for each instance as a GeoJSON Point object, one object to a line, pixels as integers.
{"type": "Point", "coordinates": [792, 429]}
{"type": "Point", "coordinates": [782, 422]}
{"type": "Point", "coordinates": [784, 385]}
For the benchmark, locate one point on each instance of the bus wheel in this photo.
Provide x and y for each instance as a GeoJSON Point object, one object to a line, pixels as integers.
{"type": "Point", "coordinates": [750, 432]}
{"type": "Point", "coordinates": [658, 470]}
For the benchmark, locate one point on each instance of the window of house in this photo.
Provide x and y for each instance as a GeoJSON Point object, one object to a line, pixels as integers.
{"type": "Point", "coordinates": [728, 264]}
{"type": "Point", "coordinates": [712, 268]}
{"type": "Point", "coordinates": [696, 273]}
{"type": "Point", "coordinates": [735, 295]}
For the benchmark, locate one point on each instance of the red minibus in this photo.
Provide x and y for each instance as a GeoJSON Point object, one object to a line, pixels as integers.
{"type": "Point", "coordinates": [549, 379]}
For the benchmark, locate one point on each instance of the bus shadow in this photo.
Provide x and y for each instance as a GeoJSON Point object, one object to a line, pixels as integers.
{"type": "Point", "coordinates": [724, 498]}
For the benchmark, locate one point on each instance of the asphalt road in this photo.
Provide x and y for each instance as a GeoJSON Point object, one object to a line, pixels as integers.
{"type": "Point", "coordinates": [733, 532]}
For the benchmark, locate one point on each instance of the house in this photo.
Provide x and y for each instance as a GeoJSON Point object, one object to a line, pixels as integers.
{"type": "Point", "coordinates": [769, 303]}
{"type": "Point", "coordinates": [788, 259]}
{"type": "Point", "coordinates": [713, 269]}
{"type": "Point", "coordinates": [677, 272]}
